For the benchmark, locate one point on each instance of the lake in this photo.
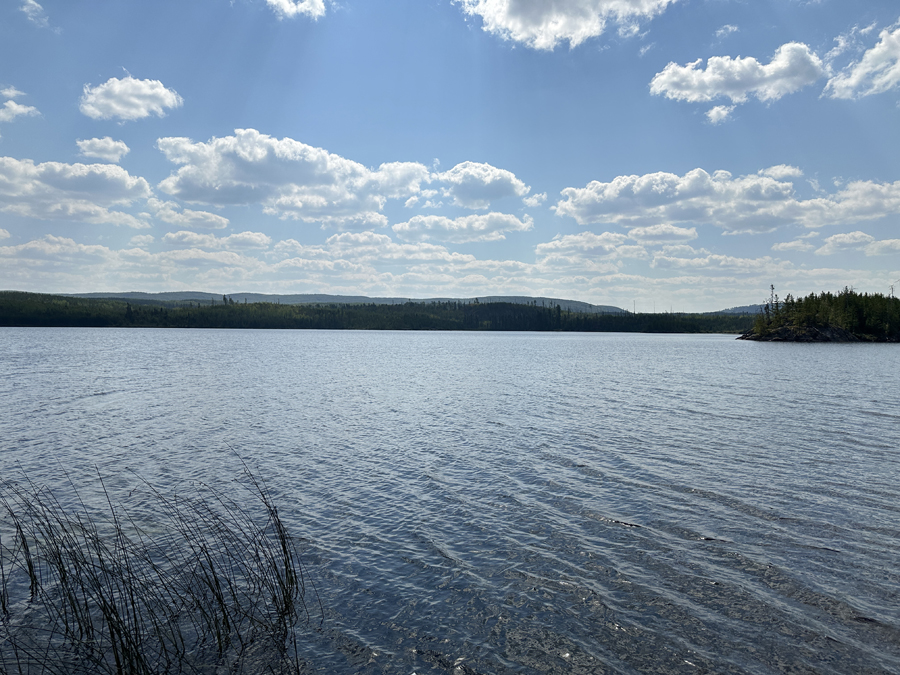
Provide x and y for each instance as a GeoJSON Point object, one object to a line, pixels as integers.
{"type": "Point", "coordinates": [514, 502]}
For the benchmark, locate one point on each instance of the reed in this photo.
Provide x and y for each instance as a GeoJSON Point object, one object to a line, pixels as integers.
{"type": "Point", "coordinates": [208, 583]}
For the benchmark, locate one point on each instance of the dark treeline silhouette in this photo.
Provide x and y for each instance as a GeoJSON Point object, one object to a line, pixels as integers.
{"type": "Point", "coordinates": [842, 316]}
{"type": "Point", "coordinates": [31, 309]}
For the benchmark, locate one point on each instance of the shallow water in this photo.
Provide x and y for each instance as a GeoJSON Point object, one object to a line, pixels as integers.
{"type": "Point", "coordinates": [514, 502]}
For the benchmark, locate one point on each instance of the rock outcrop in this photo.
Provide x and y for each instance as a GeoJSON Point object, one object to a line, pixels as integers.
{"type": "Point", "coordinates": [802, 334]}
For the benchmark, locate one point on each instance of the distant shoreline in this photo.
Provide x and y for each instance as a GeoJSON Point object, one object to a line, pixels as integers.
{"type": "Point", "coordinates": [39, 310]}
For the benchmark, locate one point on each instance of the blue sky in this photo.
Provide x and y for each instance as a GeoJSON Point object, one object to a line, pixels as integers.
{"type": "Point", "coordinates": [657, 154]}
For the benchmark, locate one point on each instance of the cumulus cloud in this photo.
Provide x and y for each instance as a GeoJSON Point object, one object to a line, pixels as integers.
{"type": "Point", "coordinates": [313, 9]}
{"type": "Point", "coordinates": [793, 67]}
{"type": "Point", "coordinates": [142, 240]}
{"type": "Point", "coordinates": [781, 172]}
{"type": "Point", "coordinates": [172, 213]}
{"type": "Point", "coordinates": [796, 245]}
{"type": "Point", "coordinates": [11, 92]}
{"type": "Point", "coordinates": [726, 30]}
{"type": "Point", "coordinates": [35, 13]}
{"type": "Point", "coordinates": [4, 234]}
{"type": "Point", "coordinates": [859, 241]}
{"type": "Point", "coordinates": [60, 261]}
{"type": "Point", "coordinates": [543, 25]}
{"type": "Point", "coordinates": [602, 244]}
{"type": "Point", "coordinates": [728, 263]}
{"type": "Point", "coordinates": [719, 113]}
{"type": "Point", "coordinates": [585, 252]}
{"type": "Point", "coordinates": [876, 72]}
{"type": "Point", "coordinates": [486, 227]}
{"type": "Point", "coordinates": [128, 99]}
{"type": "Point", "coordinates": [474, 185]}
{"type": "Point", "coordinates": [845, 242]}
{"type": "Point", "coordinates": [11, 110]}
{"type": "Point", "coordinates": [241, 240]}
{"type": "Point", "coordinates": [79, 192]}
{"type": "Point", "coordinates": [103, 148]}
{"type": "Point", "coordinates": [662, 234]}
{"type": "Point", "coordinates": [535, 200]}
{"type": "Point", "coordinates": [757, 203]}
{"type": "Point", "coordinates": [288, 178]}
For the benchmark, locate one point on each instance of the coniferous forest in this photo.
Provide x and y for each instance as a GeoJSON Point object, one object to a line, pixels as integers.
{"type": "Point", "coordinates": [32, 309]}
{"type": "Point", "coordinates": [846, 316]}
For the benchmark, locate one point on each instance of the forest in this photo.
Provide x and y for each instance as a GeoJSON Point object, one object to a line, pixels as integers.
{"type": "Point", "coordinates": [844, 316]}
{"type": "Point", "coordinates": [33, 309]}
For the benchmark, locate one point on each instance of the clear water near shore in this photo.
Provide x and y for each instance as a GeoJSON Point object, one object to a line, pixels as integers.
{"type": "Point", "coordinates": [515, 503]}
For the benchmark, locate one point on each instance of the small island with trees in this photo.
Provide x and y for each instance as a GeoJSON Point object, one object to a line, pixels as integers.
{"type": "Point", "coordinates": [827, 317]}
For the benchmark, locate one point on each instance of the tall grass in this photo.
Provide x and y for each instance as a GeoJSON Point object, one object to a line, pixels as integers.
{"type": "Point", "coordinates": [203, 583]}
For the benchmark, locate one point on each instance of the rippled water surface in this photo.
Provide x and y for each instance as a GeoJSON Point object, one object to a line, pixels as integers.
{"type": "Point", "coordinates": [515, 503]}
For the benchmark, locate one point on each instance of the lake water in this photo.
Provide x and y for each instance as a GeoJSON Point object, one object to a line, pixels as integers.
{"type": "Point", "coordinates": [514, 502]}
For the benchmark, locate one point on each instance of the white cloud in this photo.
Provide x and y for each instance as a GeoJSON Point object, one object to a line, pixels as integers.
{"type": "Point", "coordinates": [726, 30]}
{"type": "Point", "coordinates": [11, 92]}
{"type": "Point", "coordinates": [543, 25]}
{"type": "Point", "coordinates": [796, 245]}
{"type": "Point", "coordinates": [35, 13]}
{"type": "Point", "coordinates": [588, 242]}
{"type": "Point", "coordinates": [859, 241]}
{"type": "Point", "coordinates": [103, 148]}
{"type": "Point", "coordinates": [876, 72]}
{"type": "Point", "coordinates": [715, 262]}
{"type": "Point", "coordinates": [4, 234]}
{"type": "Point", "coordinates": [883, 247]}
{"type": "Point", "coordinates": [535, 200]}
{"type": "Point", "coordinates": [11, 110]}
{"type": "Point", "coordinates": [371, 246]}
{"type": "Point", "coordinates": [474, 185]}
{"type": "Point", "coordinates": [482, 227]}
{"type": "Point", "coordinates": [288, 178]}
{"type": "Point", "coordinates": [845, 242]}
{"type": "Point", "coordinates": [173, 214]}
{"type": "Point", "coordinates": [314, 9]}
{"type": "Point", "coordinates": [747, 203]}
{"type": "Point", "coordinates": [719, 113]}
{"type": "Point", "coordinates": [793, 67]}
{"type": "Point", "coordinates": [781, 172]}
{"type": "Point", "coordinates": [79, 192]}
{"type": "Point", "coordinates": [662, 234]}
{"type": "Point", "coordinates": [142, 240]}
{"type": "Point", "coordinates": [241, 240]}
{"type": "Point", "coordinates": [128, 99]}
{"type": "Point", "coordinates": [585, 253]}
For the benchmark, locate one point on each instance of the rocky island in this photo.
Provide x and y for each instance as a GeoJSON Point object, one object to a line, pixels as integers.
{"type": "Point", "coordinates": [843, 317]}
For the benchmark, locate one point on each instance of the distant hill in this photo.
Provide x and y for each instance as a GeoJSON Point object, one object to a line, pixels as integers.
{"type": "Point", "coordinates": [210, 311]}
{"type": "Point", "coordinates": [323, 299]}
{"type": "Point", "coordinates": [743, 309]}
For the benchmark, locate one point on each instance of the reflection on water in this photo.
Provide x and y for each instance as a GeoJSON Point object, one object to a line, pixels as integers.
{"type": "Point", "coordinates": [528, 503]}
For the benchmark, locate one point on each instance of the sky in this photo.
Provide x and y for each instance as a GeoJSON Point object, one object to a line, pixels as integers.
{"type": "Point", "coordinates": [655, 155]}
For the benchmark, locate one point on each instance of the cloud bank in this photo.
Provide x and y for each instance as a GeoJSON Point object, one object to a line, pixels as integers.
{"type": "Point", "coordinates": [288, 178]}
{"type": "Point", "coordinates": [79, 192]}
{"type": "Point", "coordinates": [755, 203]}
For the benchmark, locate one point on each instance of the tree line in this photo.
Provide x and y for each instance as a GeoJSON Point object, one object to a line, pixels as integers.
{"type": "Point", "coordinates": [873, 317]}
{"type": "Point", "coordinates": [32, 309]}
